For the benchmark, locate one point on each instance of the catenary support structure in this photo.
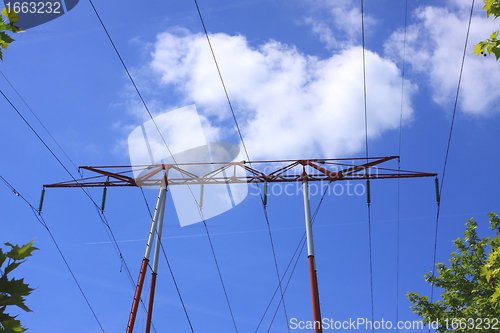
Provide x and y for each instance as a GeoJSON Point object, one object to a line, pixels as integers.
{"type": "Point", "coordinates": [161, 177]}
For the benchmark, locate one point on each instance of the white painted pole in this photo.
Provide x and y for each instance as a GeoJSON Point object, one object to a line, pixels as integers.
{"type": "Point", "coordinates": [312, 263]}
{"type": "Point", "coordinates": [307, 212]}
{"type": "Point", "coordinates": [156, 254]}
{"type": "Point", "coordinates": [159, 228]}
{"type": "Point", "coordinates": [159, 207]}
{"type": "Point", "coordinates": [142, 272]}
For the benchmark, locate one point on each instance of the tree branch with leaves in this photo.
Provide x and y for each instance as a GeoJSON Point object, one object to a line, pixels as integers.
{"type": "Point", "coordinates": [492, 44]}
{"type": "Point", "coordinates": [8, 18]}
{"type": "Point", "coordinates": [468, 302]}
{"type": "Point", "coordinates": [491, 270]}
{"type": "Point", "coordinates": [13, 291]}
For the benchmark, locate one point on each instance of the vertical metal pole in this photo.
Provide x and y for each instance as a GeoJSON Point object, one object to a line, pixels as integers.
{"type": "Point", "coordinates": [154, 272]}
{"type": "Point", "coordinates": [145, 261]}
{"type": "Point", "coordinates": [310, 258]}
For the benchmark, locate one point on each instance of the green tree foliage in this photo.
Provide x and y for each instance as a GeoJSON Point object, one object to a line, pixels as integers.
{"type": "Point", "coordinates": [466, 303]}
{"type": "Point", "coordinates": [7, 20]}
{"type": "Point", "coordinates": [13, 291]}
{"type": "Point", "coordinates": [491, 271]}
{"type": "Point", "coordinates": [492, 44]}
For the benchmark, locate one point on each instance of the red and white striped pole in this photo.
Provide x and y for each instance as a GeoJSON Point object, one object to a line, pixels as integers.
{"type": "Point", "coordinates": [310, 257]}
{"type": "Point", "coordinates": [159, 207]}
{"type": "Point", "coordinates": [154, 268]}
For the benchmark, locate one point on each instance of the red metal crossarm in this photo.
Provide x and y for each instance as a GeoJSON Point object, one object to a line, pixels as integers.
{"type": "Point", "coordinates": [241, 172]}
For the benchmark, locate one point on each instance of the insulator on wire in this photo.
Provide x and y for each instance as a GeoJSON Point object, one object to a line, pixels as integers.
{"type": "Point", "coordinates": [264, 201]}
{"type": "Point", "coordinates": [438, 196]}
{"type": "Point", "coordinates": [202, 190]}
{"type": "Point", "coordinates": [103, 203]}
{"type": "Point", "coordinates": [368, 193]}
{"type": "Point", "coordinates": [40, 205]}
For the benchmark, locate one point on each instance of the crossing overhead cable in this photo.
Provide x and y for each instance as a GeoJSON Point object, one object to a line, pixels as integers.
{"type": "Point", "coordinates": [445, 164]}
{"type": "Point", "coordinates": [366, 151]}
{"type": "Point", "coordinates": [399, 160]}
{"type": "Point", "coordinates": [157, 128]}
{"type": "Point", "coordinates": [246, 153]}
{"type": "Point", "coordinates": [45, 225]}
{"type": "Point", "coordinates": [100, 214]}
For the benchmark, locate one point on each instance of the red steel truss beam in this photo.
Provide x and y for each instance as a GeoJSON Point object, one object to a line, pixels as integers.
{"type": "Point", "coordinates": [242, 172]}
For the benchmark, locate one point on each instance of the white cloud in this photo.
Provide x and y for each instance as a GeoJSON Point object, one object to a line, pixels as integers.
{"type": "Point", "coordinates": [338, 23]}
{"type": "Point", "coordinates": [435, 46]}
{"type": "Point", "coordinates": [324, 32]}
{"type": "Point", "coordinates": [289, 105]}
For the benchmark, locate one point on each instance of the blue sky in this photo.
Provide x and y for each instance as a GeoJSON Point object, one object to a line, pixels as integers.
{"type": "Point", "coordinates": [293, 70]}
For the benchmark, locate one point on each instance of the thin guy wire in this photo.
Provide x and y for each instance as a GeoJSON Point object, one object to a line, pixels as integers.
{"type": "Point", "coordinates": [366, 148]}
{"type": "Point", "coordinates": [398, 234]}
{"type": "Point", "coordinates": [157, 128]}
{"type": "Point", "coordinates": [448, 146]}
{"type": "Point", "coordinates": [44, 224]}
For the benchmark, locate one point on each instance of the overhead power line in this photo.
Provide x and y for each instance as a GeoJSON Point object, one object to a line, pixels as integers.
{"type": "Point", "coordinates": [45, 225]}
{"type": "Point", "coordinates": [448, 145]}
{"type": "Point", "coordinates": [222, 81]}
{"type": "Point", "coordinates": [165, 143]}
{"type": "Point", "coordinates": [38, 119]}
{"type": "Point", "coordinates": [398, 230]}
{"type": "Point", "coordinates": [101, 215]}
{"type": "Point", "coordinates": [248, 159]}
{"type": "Point", "coordinates": [368, 203]}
